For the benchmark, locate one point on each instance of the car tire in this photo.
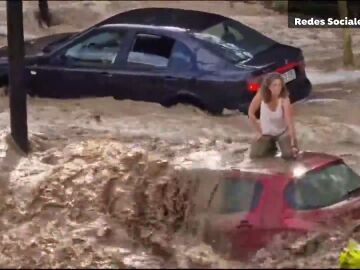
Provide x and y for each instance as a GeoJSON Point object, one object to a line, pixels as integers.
{"type": "Point", "coordinates": [4, 83]}
{"type": "Point", "coordinates": [191, 100]}
{"type": "Point", "coordinates": [6, 90]}
{"type": "Point", "coordinates": [31, 93]}
{"type": "Point", "coordinates": [216, 110]}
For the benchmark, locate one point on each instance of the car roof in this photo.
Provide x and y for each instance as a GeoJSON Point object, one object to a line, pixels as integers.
{"type": "Point", "coordinates": [171, 17]}
{"type": "Point", "coordinates": [233, 166]}
{"type": "Point", "coordinates": [143, 26]}
{"type": "Point", "coordinates": [305, 162]}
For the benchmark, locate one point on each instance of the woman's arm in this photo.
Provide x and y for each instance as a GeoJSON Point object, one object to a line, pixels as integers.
{"type": "Point", "coordinates": [288, 111]}
{"type": "Point", "coordinates": [254, 106]}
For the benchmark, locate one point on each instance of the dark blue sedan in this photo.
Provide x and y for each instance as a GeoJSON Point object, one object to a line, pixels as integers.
{"type": "Point", "coordinates": [161, 55]}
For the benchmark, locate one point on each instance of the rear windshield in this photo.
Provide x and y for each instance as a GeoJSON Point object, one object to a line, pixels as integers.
{"type": "Point", "coordinates": [322, 188]}
{"type": "Point", "coordinates": [239, 195]}
{"type": "Point", "coordinates": [234, 41]}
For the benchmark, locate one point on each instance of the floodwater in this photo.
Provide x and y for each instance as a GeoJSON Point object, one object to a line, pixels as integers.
{"type": "Point", "coordinates": [100, 188]}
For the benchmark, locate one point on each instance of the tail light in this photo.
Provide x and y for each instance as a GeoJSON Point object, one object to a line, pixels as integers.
{"type": "Point", "coordinates": [254, 84]}
{"type": "Point", "coordinates": [287, 67]}
{"type": "Point", "coordinates": [300, 65]}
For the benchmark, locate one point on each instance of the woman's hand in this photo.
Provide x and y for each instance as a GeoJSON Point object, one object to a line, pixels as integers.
{"type": "Point", "coordinates": [258, 136]}
{"type": "Point", "coordinates": [290, 124]}
{"type": "Point", "coordinates": [295, 150]}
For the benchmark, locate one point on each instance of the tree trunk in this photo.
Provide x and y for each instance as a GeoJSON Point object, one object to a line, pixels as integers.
{"type": "Point", "coordinates": [44, 12]}
{"type": "Point", "coordinates": [17, 92]}
{"type": "Point", "coordinates": [348, 57]}
{"type": "Point", "coordinates": [268, 4]}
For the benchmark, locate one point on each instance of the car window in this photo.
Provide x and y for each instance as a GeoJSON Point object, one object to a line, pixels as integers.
{"type": "Point", "coordinates": [98, 49]}
{"type": "Point", "coordinates": [181, 57]}
{"type": "Point", "coordinates": [237, 195]}
{"type": "Point", "coordinates": [207, 60]}
{"type": "Point", "coordinates": [322, 188]}
{"type": "Point", "coordinates": [226, 33]}
{"type": "Point", "coordinates": [151, 51]}
{"type": "Point", "coordinates": [234, 41]}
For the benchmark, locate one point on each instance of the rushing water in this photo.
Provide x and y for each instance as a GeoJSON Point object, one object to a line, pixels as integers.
{"type": "Point", "coordinates": [78, 199]}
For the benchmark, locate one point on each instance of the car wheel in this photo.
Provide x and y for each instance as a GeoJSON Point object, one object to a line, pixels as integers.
{"type": "Point", "coordinates": [191, 100]}
{"type": "Point", "coordinates": [4, 83]}
{"type": "Point", "coordinates": [6, 90]}
{"type": "Point", "coordinates": [31, 92]}
{"type": "Point", "coordinates": [216, 110]}
{"type": "Point", "coordinates": [184, 99]}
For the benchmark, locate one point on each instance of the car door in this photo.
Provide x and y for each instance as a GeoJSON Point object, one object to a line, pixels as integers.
{"type": "Point", "coordinates": [181, 77]}
{"type": "Point", "coordinates": [82, 68]}
{"type": "Point", "coordinates": [237, 214]}
{"type": "Point", "coordinates": [155, 68]}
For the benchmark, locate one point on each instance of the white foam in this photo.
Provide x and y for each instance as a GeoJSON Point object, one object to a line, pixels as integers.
{"type": "Point", "coordinates": [318, 77]}
{"type": "Point", "coordinates": [322, 100]}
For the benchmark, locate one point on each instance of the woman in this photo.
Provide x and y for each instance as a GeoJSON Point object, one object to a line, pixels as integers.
{"type": "Point", "coordinates": [276, 123]}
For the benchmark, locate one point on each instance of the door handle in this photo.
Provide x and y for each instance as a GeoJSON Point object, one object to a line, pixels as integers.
{"type": "Point", "coordinates": [107, 74]}
{"type": "Point", "coordinates": [244, 224]}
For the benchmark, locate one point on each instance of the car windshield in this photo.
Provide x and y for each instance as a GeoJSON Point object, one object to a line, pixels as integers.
{"type": "Point", "coordinates": [234, 41]}
{"type": "Point", "coordinates": [321, 188]}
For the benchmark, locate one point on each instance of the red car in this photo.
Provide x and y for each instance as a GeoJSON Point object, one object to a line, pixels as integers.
{"type": "Point", "coordinates": [243, 208]}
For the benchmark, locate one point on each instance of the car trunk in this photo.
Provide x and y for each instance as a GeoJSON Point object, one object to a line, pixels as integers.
{"type": "Point", "coordinates": [287, 60]}
{"type": "Point", "coordinates": [280, 58]}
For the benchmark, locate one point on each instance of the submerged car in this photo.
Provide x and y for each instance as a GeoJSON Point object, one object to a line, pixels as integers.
{"type": "Point", "coordinates": [241, 209]}
{"type": "Point", "coordinates": [162, 55]}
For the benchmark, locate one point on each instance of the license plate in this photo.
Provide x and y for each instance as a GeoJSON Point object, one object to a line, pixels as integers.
{"type": "Point", "coordinates": [289, 75]}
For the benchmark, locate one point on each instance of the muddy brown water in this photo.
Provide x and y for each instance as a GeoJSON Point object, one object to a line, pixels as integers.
{"type": "Point", "coordinates": [100, 188]}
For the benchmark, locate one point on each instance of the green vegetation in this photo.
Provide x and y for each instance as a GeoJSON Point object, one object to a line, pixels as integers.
{"type": "Point", "coordinates": [350, 257]}
{"type": "Point", "coordinates": [280, 5]}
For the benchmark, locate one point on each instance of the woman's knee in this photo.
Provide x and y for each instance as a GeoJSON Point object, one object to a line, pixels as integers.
{"type": "Point", "coordinates": [255, 153]}
{"type": "Point", "coordinates": [287, 154]}
{"type": "Point", "coordinates": [285, 146]}
{"type": "Point", "coordinates": [262, 148]}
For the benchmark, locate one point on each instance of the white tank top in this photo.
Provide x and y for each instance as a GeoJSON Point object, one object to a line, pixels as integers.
{"type": "Point", "coordinates": [272, 122]}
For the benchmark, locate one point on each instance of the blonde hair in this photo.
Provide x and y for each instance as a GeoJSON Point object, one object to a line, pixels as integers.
{"type": "Point", "coordinates": [268, 79]}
